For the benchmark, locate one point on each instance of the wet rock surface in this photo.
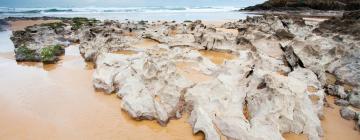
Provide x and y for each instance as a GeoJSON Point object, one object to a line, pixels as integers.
{"type": "Point", "coordinates": [341, 102]}
{"type": "Point", "coordinates": [348, 113]}
{"type": "Point", "coordinates": [46, 42]}
{"type": "Point", "coordinates": [348, 24]}
{"type": "Point", "coordinates": [43, 43]}
{"type": "Point", "coordinates": [275, 83]}
{"type": "Point", "coordinates": [354, 100]}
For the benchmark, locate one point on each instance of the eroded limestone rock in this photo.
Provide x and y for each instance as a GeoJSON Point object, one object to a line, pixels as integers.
{"type": "Point", "coordinates": [274, 85]}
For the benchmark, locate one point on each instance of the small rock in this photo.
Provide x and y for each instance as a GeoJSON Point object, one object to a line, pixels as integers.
{"type": "Point", "coordinates": [292, 59]}
{"type": "Point", "coordinates": [354, 100]}
{"type": "Point", "coordinates": [347, 113]}
{"type": "Point", "coordinates": [341, 102]}
{"type": "Point", "coordinates": [337, 91]}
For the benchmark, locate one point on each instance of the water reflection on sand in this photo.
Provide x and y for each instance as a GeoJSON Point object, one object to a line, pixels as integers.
{"type": "Point", "coordinates": [58, 101]}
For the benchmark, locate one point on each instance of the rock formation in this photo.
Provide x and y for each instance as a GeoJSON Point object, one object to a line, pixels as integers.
{"type": "Point", "coordinates": [274, 92]}
{"type": "Point", "coordinates": [43, 43]}
{"type": "Point", "coordinates": [46, 42]}
{"type": "Point", "coordinates": [275, 84]}
{"type": "Point", "coordinates": [280, 5]}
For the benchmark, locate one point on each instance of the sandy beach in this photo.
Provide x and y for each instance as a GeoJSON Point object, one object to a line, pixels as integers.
{"type": "Point", "coordinates": [58, 101]}
{"type": "Point", "coordinates": [21, 24]}
{"type": "Point", "coordinates": [64, 105]}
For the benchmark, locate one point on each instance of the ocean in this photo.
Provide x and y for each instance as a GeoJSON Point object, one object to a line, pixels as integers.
{"type": "Point", "coordinates": [210, 13]}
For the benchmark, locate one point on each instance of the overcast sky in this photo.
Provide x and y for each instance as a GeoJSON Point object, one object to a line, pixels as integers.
{"type": "Point", "coordinates": [124, 3]}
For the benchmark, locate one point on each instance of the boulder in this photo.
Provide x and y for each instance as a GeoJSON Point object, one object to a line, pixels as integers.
{"type": "Point", "coordinates": [347, 113]}
{"type": "Point", "coordinates": [338, 91]}
{"type": "Point", "coordinates": [341, 102]}
{"type": "Point", "coordinates": [40, 43]}
{"type": "Point", "coordinates": [354, 100]}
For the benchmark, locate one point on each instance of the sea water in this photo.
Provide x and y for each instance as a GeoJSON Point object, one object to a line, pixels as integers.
{"type": "Point", "coordinates": [209, 13]}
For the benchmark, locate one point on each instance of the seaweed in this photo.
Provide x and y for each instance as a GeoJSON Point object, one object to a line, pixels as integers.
{"type": "Point", "coordinates": [79, 22]}
{"type": "Point", "coordinates": [49, 54]}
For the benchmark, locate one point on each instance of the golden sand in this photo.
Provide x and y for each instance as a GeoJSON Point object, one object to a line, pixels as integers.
{"type": "Point", "coordinates": [58, 101]}
{"type": "Point", "coordinates": [22, 24]}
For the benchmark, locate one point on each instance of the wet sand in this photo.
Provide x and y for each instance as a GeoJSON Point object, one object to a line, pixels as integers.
{"type": "Point", "coordinates": [335, 127]}
{"type": "Point", "coordinates": [21, 24]}
{"type": "Point", "coordinates": [217, 57]}
{"type": "Point", "coordinates": [59, 102]}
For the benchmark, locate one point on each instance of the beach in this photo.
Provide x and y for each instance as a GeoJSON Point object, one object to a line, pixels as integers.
{"type": "Point", "coordinates": [58, 101]}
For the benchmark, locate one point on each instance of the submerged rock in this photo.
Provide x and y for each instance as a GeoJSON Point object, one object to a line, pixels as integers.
{"type": "Point", "coordinates": [354, 100]}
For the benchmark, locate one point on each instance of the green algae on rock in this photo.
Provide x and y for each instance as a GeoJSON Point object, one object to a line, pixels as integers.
{"type": "Point", "coordinates": [78, 22]}
{"type": "Point", "coordinates": [25, 54]}
{"type": "Point", "coordinates": [50, 54]}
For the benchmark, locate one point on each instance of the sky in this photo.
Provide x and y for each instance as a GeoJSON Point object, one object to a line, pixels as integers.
{"type": "Point", "coordinates": [124, 3]}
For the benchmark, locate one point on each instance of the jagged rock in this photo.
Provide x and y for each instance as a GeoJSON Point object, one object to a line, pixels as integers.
{"type": "Point", "coordinates": [338, 91]}
{"type": "Point", "coordinates": [255, 93]}
{"type": "Point", "coordinates": [194, 35]}
{"type": "Point", "coordinates": [348, 24]}
{"type": "Point", "coordinates": [314, 88]}
{"type": "Point", "coordinates": [43, 43]}
{"type": "Point", "coordinates": [292, 59]}
{"type": "Point", "coordinates": [283, 34]}
{"type": "Point", "coordinates": [150, 89]}
{"type": "Point", "coordinates": [354, 100]}
{"type": "Point", "coordinates": [220, 99]}
{"type": "Point", "coordinates": [347, 69]}
{"type": "Point", "coordinates": [109, 37]}
{"type": "Point", "coordinates": [341, 102]}
{"type": "Point", "coordinates": [347, 113]}
{"type": "Point", "coordinates": [148, 82]}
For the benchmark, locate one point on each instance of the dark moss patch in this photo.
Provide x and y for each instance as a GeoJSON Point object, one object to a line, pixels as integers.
{"type": "Point", "coordinates": [55, 25]}
{"type": "Point", "coordinates": [25, 54]}
{"type": "Point", "coordinates": [20, 38]}
{"type": "Point", "coordinates": [143, 22]}
{"type": "Point", "coordinates": [79, 22]}
{"type": "Point", "coordinates": [50, 54]}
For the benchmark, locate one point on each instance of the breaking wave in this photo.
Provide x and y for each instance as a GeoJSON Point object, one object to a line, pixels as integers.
{"type": "Point", "coordinates": [5, 10]}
